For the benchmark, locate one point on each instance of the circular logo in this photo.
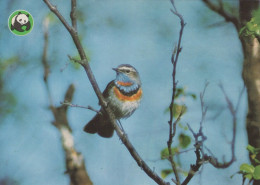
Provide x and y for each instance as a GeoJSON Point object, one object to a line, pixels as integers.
{"type": "Point", "coordinates": [20, 22]}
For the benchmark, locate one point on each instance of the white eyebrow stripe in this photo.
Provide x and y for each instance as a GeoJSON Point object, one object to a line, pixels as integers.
{"type": "Point", "coordinates": [126, 68]}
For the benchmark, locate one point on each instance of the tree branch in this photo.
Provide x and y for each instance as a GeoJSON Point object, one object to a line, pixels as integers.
{"type": "Point", "coordinates": [233, 112]}
{"type": "Point", "coordinates": [85, 65]}
{"type": "Point", "coordinates": [219, 9]}
{"type": "Point", "coordinates": [75, 165]}
{"type": "Point", "coordinates": [195, 168]}
{"type": "Point", "coordinates": [67, 103]}
{"type": "Point", "coordinates": [200, 138]}
{"type": "Point", "coordinates": [172, 124]}
{"type": "Point", "coordinates": [45, 64]}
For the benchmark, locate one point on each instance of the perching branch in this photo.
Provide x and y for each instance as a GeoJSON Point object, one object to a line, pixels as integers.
{"type": "Point", "coordinates": [172, 124]}
{"type": "Point", "coordinates": [84, 63]}
{"type": "Point", "coordinates": [219, 9]}
{"type": "Point", "coordinates": [75, 165]}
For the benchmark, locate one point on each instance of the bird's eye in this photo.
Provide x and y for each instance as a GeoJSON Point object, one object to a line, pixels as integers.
{"type": "Point", "coordinates": [127, 71]}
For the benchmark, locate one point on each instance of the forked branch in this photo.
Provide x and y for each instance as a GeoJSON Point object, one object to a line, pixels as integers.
{"type": "Point", "coordinates": [201, 156]}
{"type": "Point", "coordinates": [219, 9]}
{"type": "Point", "coordinates": [233, 111]}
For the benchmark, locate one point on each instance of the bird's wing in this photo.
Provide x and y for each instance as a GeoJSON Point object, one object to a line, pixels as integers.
{"type": "Point", "coordinates": [109, 86]}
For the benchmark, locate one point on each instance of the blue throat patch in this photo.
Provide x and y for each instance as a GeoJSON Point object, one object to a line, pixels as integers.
{"type": "Point", "coordinates": [124, 78]}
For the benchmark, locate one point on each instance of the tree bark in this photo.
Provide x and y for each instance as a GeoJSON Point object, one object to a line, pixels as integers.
{"type": "Point", "coordinates": [251, 76]}
{"type": "Point", "coordinates": [75, 165]}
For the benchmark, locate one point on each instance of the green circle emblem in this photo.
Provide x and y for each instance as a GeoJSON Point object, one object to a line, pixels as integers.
{"type": "Point", "coordinates": [20, 22]}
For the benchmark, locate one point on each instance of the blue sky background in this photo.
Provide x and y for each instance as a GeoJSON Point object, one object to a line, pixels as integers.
{"type": "Point", "coordinates": [138, 32]}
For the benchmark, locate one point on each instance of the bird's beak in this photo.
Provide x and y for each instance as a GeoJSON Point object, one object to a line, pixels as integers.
{"type": "Point", "coordinates": [115, 69]}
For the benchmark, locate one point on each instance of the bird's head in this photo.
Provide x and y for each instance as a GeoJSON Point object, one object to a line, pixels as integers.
{"type": "Point", "coordinates": [127, 73]}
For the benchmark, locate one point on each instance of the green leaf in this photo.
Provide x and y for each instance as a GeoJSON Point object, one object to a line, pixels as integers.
{"type": "Point", "coordinates": [166, 172]}
{"type": "Point", "coordinates": [184, 140]}
{"type": "Point", "coordinates": [251, 149]}
{"type": "Point", "coordinates": [177, 109]}
{"type": "Point", "coordinates": [165, 152]}
{"type": "Point", "coordinates": [252, 28]}
{"type": "Point", "coordinates": [194, 96]}
{"type": "Point", "coordinates": [76, 65]}
{"type": "Point", "coordinates": [247, 168]}
{"type": "Point", "coordinates": [242, 30]}
{"type": "Point", "coordinates": [248, 176]}
{"type": "Point", "coordinates": [256, 16]}
{"type": "Point", "coordinates": [253, 156]}
{"type": "Point", "coordinates": [182, 126]}
{"type": "Point", "coordinates": [257, 161]}
{"type": "Point", "coordinates": [179, 91]}
{"type": "Point", "coordinates": [256, 174]}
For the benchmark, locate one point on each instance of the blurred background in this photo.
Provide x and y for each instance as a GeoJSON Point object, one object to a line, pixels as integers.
{"type": "Point", "coordinates": [137, 32]}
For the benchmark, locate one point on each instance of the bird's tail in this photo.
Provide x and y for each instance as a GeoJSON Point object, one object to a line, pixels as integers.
{"type": "Point", "coordinates": [100, 124]}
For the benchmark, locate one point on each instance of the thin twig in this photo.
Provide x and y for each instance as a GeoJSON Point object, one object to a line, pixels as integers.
{"type": "Point", "coordinates": [79, 106]}
{"type": "Point", "coordinates": [230, 105]}
{"type": "Point", "coordinates": [73, 14]}
{"type": "Point", "coordinates": [65, 66]}
{"type": "Point", "coordinates": [203, 108]}
{"type": "Point", "coordinates": [233, 112]}
{"type": "Point", "coordinates": [77, 61]}
{"type": "Point", "coordinates": [172, 124]}
{"type": "Point", "coordinates": [184, 151]}
{"type": "Point", "coordinates": [240, 98]}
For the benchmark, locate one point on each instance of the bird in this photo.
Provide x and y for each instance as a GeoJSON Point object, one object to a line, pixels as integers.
{"type": "Point", "coordinates": [123, 96]}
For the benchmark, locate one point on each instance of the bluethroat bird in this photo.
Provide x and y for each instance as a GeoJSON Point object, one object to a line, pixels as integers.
{"type": "Point", "coordinates": [123, 96]}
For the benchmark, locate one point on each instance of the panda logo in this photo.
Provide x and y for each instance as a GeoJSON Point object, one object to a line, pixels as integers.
{"type": "Point", "coordinates": [20, 22]}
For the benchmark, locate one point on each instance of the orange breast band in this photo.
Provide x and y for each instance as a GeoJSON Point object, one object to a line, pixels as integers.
{"type": "Point", "coordinates": [124, 83]}
{"type": "Point", "coordinates": [122, 97]}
